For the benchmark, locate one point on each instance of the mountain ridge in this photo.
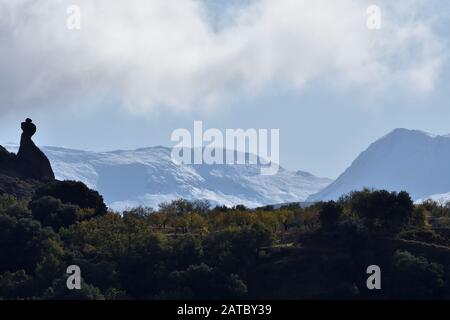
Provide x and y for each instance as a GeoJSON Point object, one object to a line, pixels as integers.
{"type": "Point", "coordinates": [402, 160]}
{"type": "Point", "coordinates": [147, 176]}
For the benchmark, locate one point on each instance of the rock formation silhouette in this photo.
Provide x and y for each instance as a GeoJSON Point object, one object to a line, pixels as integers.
{"type": "Point", "coordinates": [30, 161]}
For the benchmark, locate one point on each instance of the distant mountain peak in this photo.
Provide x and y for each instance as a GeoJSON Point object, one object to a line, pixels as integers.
{"type": "Point", "coordinates": [412, 132]}
{"type": "Point", "coordinates": [304, 174]}
{"type": "Point", "coordinates": [411, 160]}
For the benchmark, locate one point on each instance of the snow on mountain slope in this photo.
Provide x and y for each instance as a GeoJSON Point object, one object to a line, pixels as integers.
{"type": "Point", "coordinates": [148, 177]}
{"type": "Point", "coordinates": [409, 160]}
{"type": "Point", "coordinates": [442, 198]}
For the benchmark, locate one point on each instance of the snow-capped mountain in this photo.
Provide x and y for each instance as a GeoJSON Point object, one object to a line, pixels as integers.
{"type": "Point", "coordinates": [409, 160]}
{"type": "Point", "coordinates": [442, 198]}
{"type": "Point", "coordinates": [148, 177]}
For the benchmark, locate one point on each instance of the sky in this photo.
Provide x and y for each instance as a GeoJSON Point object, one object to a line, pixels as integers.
{"type": "Point", "coordinates": [137, 70]}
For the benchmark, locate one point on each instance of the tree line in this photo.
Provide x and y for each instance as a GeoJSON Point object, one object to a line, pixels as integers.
{"type": "Point", "coordinates": [192, 250]}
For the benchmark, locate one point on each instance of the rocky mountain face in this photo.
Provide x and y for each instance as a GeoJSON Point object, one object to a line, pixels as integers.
{"type": "Point", "coordinates": [22, 173]}
{"type": "Point", "coordinates": [30, 162]}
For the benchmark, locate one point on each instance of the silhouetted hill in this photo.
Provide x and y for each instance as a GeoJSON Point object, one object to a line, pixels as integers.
{"type": "Point", "coordinates": [29, 162]}
{"type": "Point", "coordinates": [22, 173]}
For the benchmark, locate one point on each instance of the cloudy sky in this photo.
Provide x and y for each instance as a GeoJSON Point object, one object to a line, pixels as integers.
{"type": "Point", "coordinates": [138, 69]}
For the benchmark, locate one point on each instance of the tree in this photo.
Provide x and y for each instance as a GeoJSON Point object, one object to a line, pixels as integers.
{"type": "Point", "coordinates": [235, 249]}
{"type": "Point", "coordinates": [140, 211]}
{"type": "Point", "coordinates": [13, 207]}
{"type": "Point", "coordinates": [15, 285]}
{"type": "Point", "coordinates": [203, 282]}
{"type": "Point", "coordinates": [330, 213]}
{"type": "Point", "coordinates": [22, 242]}
{"type": "Point", "coordinates": [52, 212]}
{"type": "Point", "coordinates": [415, 277]}
{"type": "Point", "coordinates": [73, 192]}
{"type": "Point", "coordinates": [184, 251]}
{"type": "Point", "coordinates": [177, 207]}
{"type": "Point", "coordinates": [58, 291]}
{"type": "Point", "coordinates": [420, 217]}
{"type": "Point", "coordinates": [383, 213]}
{"type": "Point", "coordinates": [286, 218]}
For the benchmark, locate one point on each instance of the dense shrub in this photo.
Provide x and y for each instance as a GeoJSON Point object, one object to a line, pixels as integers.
{"type": "Point", "coordinates": [73, 192]}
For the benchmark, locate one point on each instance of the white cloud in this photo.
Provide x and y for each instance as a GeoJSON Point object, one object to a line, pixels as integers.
{"type": "Point", "coordinates": [166, 53]}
